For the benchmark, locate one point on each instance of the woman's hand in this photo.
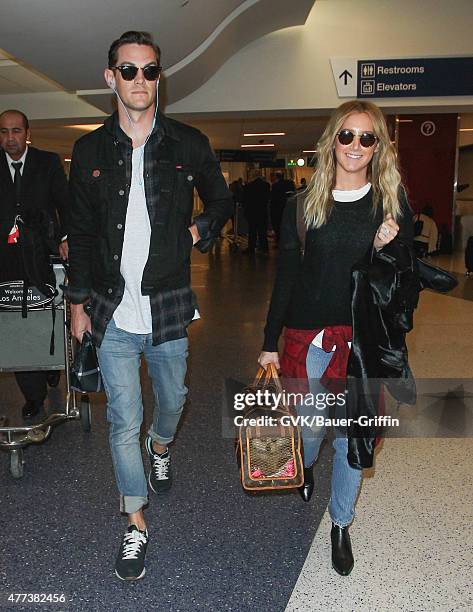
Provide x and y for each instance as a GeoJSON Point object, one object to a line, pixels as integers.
{"type": "Point", "coordinates": [386, 232]}
{"type": "Point", "coordinates": [195, 233]}
{"type": "Point", "coordinates": [267, 357]}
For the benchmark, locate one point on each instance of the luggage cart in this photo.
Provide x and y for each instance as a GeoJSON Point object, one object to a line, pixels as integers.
{"type": "Point", "coordinates": [238, 236]}
{"type": "Point", "coordinates": [25, 346]}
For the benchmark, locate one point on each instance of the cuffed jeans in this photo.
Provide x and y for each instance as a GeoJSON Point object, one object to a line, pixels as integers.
{"type": "Point", "coordinates": [119, 357]}
{"type": "Point", "coordinates": [345, 479]}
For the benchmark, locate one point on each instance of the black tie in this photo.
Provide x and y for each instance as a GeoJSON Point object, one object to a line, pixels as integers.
{"type": "Point", "coordinates": [17, 180]}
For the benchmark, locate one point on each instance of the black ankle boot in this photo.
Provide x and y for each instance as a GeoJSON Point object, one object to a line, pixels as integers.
{"type": "Point", "coordinates": [342, 556]}
{"type": "Point", "coordinates": [308, 487]}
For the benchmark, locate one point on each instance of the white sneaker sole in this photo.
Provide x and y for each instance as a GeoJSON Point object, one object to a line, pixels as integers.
{"type": "Point", "coordinates": [131, 579]}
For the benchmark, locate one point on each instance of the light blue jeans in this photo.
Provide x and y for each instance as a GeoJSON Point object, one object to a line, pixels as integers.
{"type": "Point", "coordinates": [119, 357]}
{"type": "Point", "coordinates": [345, 479]}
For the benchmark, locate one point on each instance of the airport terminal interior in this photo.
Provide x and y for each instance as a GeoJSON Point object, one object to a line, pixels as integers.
{"type": "Point", "coordinates": [260, 78]}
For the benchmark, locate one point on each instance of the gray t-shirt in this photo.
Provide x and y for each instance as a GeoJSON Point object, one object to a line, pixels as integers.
{"type": "Point", "coordinates": [133, 314]}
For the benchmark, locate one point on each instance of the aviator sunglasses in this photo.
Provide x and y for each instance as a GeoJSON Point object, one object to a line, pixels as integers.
{"type": "Point", "coordinates": [367, 139]}
{"type": "Point", "coordinates": [128, 72]}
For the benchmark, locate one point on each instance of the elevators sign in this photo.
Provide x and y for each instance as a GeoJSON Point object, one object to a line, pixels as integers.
{"type": "Point", "coordinates": [11, 296]}
{"type": "Point", "coordinates": [403, 78]}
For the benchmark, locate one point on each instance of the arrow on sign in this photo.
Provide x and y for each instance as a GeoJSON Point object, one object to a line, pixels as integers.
{"type": "Point", "coordinates": [345, 74]}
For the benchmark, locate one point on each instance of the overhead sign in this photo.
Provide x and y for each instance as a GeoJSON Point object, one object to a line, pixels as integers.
{"type": "Point", "coordinates": [403, 78]}
{"type": "Point", "coordinates": [280, 162]}
{"type": "Point", "coordinates": [345, 73]}
{"type": "Point", "coordinates": [294, 162]}
{"type": "Point", "coordinates": [428, 128]}
{"type": "Point", "coordinates": [239, 155]}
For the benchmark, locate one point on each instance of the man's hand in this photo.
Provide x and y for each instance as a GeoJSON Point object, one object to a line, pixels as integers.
{"type": "Point", "coordinates": [80, 321]}
{"type": "Point", "coordinates": [267, 357]}
{"type": "Point", "coordinates": [386, 232]}
{"type": "Point", "coordinates": [64, 250]}
{"type": "Point", "coordinates": [195, 233]}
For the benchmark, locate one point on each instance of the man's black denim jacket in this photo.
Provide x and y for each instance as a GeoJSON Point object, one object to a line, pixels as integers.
{"type": "Point", "coordinates": [177, 158]}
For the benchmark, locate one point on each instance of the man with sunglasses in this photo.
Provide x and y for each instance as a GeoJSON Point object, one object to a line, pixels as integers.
{"type": "Point", "coordinates": [130, 240]}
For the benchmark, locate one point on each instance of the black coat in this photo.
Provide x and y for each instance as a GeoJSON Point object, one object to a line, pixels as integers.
{"type": "Point", "coordinates": [177, 158]}
{"type": "Point", "coordinates": [255, 198]}
{"type": "Point", "coordinates": [43, 204]}
{"type": "Point", "coordinates": [281, 190]}
{"type": "Point", "coordinates": [385, 291]}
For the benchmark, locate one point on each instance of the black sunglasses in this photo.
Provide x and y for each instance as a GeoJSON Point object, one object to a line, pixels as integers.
{"type": "Point", "coordinates": [128, 73]}
{"type": "Point", "coordinates": [367, 139]}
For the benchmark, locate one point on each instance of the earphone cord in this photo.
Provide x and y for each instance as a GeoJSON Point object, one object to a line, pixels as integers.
{"type": "Point", "coordinates": [132, 125]}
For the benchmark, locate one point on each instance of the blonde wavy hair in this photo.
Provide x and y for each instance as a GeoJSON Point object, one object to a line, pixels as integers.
{"type": "Point", "coordinates": [383, 171]}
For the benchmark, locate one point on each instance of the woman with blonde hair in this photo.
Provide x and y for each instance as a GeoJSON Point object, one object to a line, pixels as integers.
{"type": "Point", "coordinates": [354, 203]}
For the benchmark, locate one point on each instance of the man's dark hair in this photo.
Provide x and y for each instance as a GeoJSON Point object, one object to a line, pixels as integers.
{"type": "Point", "coordinates": [129, 38]}
{"type": "Point", "coordinates": [26, 123]}
{"type": "Point", "coordinates": [279, 176]}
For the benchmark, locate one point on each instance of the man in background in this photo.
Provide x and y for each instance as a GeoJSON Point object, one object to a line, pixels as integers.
{"type": "Point", "coordinates": [256, 198]}
{"type": "Point", "coordinates": [32, 185]}
{"type": "Point", "coordinates": [425, 232]}
{"type": "Point", "coordinates": [281, 189]}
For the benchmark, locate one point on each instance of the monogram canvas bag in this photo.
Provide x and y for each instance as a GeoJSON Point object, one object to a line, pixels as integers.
{"type": "Point", "coordinates": [269, 442]}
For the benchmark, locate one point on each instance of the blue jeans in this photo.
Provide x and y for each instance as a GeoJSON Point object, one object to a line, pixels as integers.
{"type": "Point", "coordinates": [119, 357]}
{"type": "Point", "coordinates": [345, 479]}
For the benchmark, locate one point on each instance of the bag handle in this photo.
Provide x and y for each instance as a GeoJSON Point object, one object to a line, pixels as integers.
{"type": "Point", "coordinates": [262, 373]}
{"type": "Point", "coordinates": [270, 373]}
{"type": "Point", "coordinates": [259, 375]}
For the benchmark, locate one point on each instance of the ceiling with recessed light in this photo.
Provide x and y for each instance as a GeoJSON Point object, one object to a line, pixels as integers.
{"type": "Point", "coordinates": [55, 68]}
{"type": "Point", "coordinates": [68, 42]}
{"type": "Point", "coordinates": [300, 133]}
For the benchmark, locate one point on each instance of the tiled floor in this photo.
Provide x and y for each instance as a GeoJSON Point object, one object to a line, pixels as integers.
{"type": "Point", "coordinates": [216, 548]}
{"type": "Point", "coordinates": [412, 537]}
{"type": "Point", "coordinates": [212, 547]}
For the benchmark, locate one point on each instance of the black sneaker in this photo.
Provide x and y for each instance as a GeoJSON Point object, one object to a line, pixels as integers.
{"type": "Point", "coordinates": [160, 474]}
{"type": "Point", "coordinates": [130, 563]}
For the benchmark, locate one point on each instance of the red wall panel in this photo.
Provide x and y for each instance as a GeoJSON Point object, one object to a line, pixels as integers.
{"type": "Point", "coordinates": [428, 162]}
